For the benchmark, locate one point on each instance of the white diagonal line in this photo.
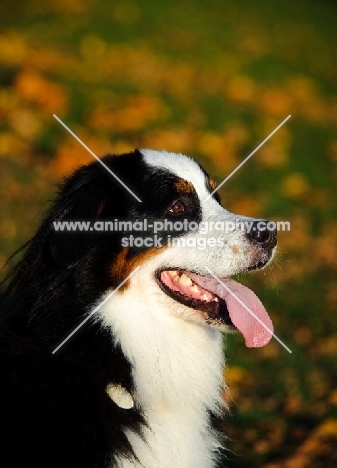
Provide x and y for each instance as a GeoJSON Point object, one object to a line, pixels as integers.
{"type": "Point", "coordinates": [248, 309]}
{"type": "Point", "coordinates": [245, 160]}
{"type": "Point", "coordinates": [97, 158]}
{"type": "Point", "coordinates": [95, 310]}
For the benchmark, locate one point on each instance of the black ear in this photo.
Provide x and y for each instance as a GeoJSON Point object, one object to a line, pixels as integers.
{"type": "Point", "coordinates": [67, 248]}
{"type": "Point", "coordinates": [79, 205]}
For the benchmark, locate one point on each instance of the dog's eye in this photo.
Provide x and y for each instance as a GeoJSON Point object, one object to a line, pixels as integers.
{"type": "Point", "coordinates": [178, 207]}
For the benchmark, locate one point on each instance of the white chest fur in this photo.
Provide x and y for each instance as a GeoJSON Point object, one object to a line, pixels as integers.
{"type": "Point", "coordinates": [178, 375]}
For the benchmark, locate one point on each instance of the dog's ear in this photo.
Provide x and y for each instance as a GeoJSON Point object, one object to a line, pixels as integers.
{"type": "Point", "coordinates": [80, 203]}
{"type": "Point", "coordinates": [67, 248]}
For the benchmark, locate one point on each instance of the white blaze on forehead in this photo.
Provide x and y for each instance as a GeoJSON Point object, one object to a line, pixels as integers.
{"type": "Point", "coordinates": [182, 166]}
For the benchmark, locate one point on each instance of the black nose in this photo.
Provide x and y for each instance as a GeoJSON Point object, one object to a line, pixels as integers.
{"type": "Point", "coordinates": [264, 233]}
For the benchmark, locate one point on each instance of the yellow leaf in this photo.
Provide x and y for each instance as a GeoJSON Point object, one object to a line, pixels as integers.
{"type": "Point", "coordinates": [329, 428]}
{"type": "Point", "coordinates": [34, 87]}
{"type": "Point", "coordinates": [294, 185]}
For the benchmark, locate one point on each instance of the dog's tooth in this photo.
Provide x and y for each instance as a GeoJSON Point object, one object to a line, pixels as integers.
{"type": "Point", "coordinates": [185, 280]}
{"type": "Point", "coordinates": [204, 297]}
{"type": "Point", "coordinates": [195, 288]}
{"type": "Point", "coordinates": [172, 273]}
{"type": "Point", "coordinates": [216, 299]}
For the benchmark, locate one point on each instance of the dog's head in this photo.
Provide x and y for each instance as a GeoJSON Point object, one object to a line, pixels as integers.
{"type": "Point", "coordinates": [186, 244]}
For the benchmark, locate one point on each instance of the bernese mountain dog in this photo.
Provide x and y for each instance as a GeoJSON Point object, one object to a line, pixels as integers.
{"type": "Point", "coordinates": [111, 350]}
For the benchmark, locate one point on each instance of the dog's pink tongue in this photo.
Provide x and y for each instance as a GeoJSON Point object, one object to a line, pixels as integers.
{"type": "Point", "coordinates": [254, 323]}
{"type": "Point", "coordinates": [244, 307]}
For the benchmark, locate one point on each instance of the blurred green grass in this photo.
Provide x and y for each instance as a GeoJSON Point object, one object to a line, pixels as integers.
{"type": "Point", "coordinates": [210, 79]}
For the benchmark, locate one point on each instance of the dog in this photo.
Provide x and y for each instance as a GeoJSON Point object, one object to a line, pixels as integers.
{"type": "Point", "coordinates": [140, 383]}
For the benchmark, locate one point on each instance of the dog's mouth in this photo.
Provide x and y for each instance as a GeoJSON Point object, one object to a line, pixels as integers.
{"type": "Point", "coordinates": [179, 286]}
{"type": "Point", "coordinates": [227, 304]}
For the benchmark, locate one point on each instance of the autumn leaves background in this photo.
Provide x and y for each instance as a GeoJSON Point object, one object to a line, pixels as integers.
{"type": "Point", "coordinates": [211, 80]}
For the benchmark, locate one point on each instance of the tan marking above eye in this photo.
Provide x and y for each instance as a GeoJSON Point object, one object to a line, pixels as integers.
{"type": "Point", "coordinates": [183, 186]}
{"type": "Point", "coordinates": [212, 183]}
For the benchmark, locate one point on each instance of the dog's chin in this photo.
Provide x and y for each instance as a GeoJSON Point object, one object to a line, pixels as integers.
{"type": "Point", "coordinates": [208, 308]}
{"type": "Point", "coordinates": [263, 262]}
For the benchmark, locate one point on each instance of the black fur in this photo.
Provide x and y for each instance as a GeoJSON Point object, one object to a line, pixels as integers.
{"type": "Point", "coordinates": [54, 410]}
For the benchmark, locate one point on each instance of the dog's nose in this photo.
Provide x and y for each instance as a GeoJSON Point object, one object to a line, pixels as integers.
{"type": "Point", "coordinates": [262, 233]}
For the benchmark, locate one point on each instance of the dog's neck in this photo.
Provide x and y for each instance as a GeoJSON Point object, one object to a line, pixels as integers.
{"type": "Point", "coordinates": [178, 380]}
